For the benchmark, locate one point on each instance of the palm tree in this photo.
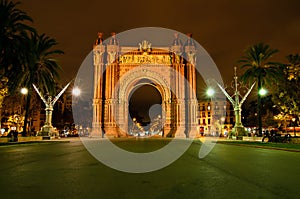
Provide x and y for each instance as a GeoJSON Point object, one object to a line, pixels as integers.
{"type": "Point", "coordinates": [12, 30]}
{"type": "Point", "coordinates": [13, 27]}
{"type": "Point", "coordinates": [260, 70]}
{"type": "Point", "coordinates": [39, 67]}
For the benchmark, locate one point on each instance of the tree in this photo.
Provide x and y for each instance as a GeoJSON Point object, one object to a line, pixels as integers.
{"type": "Point", "coordinates": [39, 67]}
{"type": "Point", "coordinates": [267, 113]}
{"type": "Point", "coordinates": [3, 94]}
{"type": "Point", "coordinates": [13, 28]}
{"type": "Point", "coordinates": [260, 70]}
{"type": "Point", "coordinates": [292, 69]}
{"type": "Point", "coordinates": [287, 94]}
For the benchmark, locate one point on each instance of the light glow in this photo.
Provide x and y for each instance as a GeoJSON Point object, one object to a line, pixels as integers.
{"type": "Point", "coordinates": [262, 92]}
{"type": "Point", "coordinates": [24, 91]}
{"type": "Point", "coordinates": [210, 92]}
{"type": "Point", "coordinates": [76, 91]}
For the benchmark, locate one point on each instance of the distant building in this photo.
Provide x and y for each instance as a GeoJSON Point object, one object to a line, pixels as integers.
{"type": "Point", "coordinates": [209, 113]}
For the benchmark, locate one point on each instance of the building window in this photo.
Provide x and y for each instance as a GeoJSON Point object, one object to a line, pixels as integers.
{"type": "Point", "coordinates": [208, 114]}
{"type": "Point", "coordinates": [208, 121]}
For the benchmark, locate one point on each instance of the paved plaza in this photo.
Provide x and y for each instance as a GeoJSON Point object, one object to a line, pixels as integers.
{"type": "Point", "coordinates": [67, 170]}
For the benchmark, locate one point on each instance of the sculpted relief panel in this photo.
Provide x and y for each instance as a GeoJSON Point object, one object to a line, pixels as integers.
{"type": "Point", "coordinates": [145, 59]}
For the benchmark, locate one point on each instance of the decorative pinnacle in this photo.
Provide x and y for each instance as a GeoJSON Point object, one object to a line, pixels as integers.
{"type": "Point", "coordinates": [235, 79]}
{"type": "Point", "coordinates": [235, 75]}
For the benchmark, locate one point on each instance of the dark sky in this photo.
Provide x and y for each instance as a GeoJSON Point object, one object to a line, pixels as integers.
{"type": "Point", "coordinates": [223, 27]}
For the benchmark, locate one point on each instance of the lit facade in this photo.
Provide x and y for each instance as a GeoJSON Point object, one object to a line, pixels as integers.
{"type": "Point", "coordinates": [209, 114]}
{"type": "Point", "coordinates": [122, 74]}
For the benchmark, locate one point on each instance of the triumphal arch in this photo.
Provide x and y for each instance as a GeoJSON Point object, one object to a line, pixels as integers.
{"type": "Point", "coordinates": [119, 70]}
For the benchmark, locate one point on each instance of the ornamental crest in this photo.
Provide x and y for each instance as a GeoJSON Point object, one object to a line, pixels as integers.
{"type": "Point", "coordinates": [145, 46]}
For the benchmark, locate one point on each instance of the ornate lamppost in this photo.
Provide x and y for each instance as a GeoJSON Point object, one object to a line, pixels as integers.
{"type": "Point", "coordinates": [47, 129]}
{"type": "Point", "coordinates": [294, 120]}
{"type": "Point", "coordinates": [237, 103]}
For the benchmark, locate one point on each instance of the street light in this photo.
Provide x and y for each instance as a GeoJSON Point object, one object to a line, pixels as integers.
{"type": "Point", "coordinates": [222, 125]}
{"type": "Point", "coordinates": [24, 91]}
{"type": "Point", "coordinates": [210, 92]}
{"type": "Point", "coordinates": [294, 119]}
{"type": "Point", "coordinates": [48, 130]}
{"type": "Point", "coordinates": [133, 127]}
{"type": "Point", "coordinates": [237, 100]}
{"type": "Point", "coordinates": [262, 92]}
{"type": "Point", "coordinates": [76, 91]}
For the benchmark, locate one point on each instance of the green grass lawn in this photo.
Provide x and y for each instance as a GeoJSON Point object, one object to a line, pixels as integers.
{"type": "Point", "coordinates": [144, 145]}
{"type": "Point", "coordinates": [271, 145]}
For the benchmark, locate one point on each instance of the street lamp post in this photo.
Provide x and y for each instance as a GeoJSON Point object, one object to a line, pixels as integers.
{"type": "Point", "coordinates": [294, 119]}
{"type": "Point", "coordinates": [47, 129]}
{"type": "Point", "coordinates": [133, 128]}
{"type": "Point", "coordinates": [24, 91]}
{"type": "Point", "coordinates": [262, 92]}
{"type": "Point", "coordinates": [210, 93]}
{"type": "Point", "coordinates": [237, 104]}
{"type": "Point", "coordinates": [222, 125]}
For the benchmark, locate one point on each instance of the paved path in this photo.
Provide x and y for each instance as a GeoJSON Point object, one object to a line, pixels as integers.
{"type": "Point", "coordinates": [67, 170]}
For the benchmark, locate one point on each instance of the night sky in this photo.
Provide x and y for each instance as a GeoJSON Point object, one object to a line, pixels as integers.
{"type": "Point", "coordinates": [224, 28]}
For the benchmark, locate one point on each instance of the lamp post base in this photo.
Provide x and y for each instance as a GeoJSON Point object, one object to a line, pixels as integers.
{"type": "Point", "coordinates": [48, 131]}
{"type": "Point", "coordinates": [239, 131]}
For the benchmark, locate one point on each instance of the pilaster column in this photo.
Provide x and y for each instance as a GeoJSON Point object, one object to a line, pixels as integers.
{"type": "Point", "coordinates": [178, 101]}
{"type": "Point", "coordinates": [191, 99]}
{"type": "Point", "coordinates": [111, 105]}
{"type": "Point", "coordinates": [98, 52]}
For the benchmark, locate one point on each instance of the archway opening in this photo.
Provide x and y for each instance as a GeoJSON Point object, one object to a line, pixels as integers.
{"type": "Point", "coordinates": [144, 106]}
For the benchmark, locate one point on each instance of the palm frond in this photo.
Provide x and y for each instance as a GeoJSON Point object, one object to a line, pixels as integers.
{"type": "Point", "coordinates": [258, 67]}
